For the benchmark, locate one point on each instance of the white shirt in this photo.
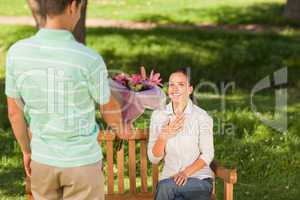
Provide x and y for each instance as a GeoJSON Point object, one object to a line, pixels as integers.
{"type": "Point", "coordinates": [195, 141]}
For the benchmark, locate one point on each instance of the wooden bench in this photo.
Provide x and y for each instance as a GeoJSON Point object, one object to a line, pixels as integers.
{"type": "Point", "coordinates": [118, 161]}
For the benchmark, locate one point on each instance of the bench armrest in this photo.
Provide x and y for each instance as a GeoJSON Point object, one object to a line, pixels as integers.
{"type": "Point", "coordinates": [228, 175]}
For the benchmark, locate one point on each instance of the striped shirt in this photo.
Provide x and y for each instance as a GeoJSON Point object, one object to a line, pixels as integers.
{"type": "Point", "coordinates": [58, 81]}
{"type": "Point", "coordinates": [194, 141]}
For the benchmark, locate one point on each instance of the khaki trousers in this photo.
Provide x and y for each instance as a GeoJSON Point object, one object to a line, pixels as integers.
{"type": "Point", "coordinates": [76, 183]}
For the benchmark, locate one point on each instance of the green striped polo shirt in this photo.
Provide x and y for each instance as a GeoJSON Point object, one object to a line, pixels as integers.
{"type": "Point", "coordinates": [58, 81]}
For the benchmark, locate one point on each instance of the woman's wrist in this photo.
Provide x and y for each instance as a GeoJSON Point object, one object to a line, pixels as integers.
{"type": "Point", "coordinates": [163, 136]}
{"type": "Point", "coordinates": [187, 172]}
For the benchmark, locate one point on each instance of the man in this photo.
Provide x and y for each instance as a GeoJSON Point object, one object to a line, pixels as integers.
{"type": "Point", "coordinates": [52, 85]}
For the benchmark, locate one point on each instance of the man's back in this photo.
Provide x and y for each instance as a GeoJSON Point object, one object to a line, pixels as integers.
{"type": "Point", "coordinates": [59, 81]}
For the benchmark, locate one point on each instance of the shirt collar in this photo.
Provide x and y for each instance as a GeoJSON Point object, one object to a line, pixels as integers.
{"type": "Point", "coordinates": [55, 34]}
{"type": "Point", "coordinates": [188, 109]}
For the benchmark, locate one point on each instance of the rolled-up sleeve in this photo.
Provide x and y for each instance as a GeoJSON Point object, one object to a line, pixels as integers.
{"type": "Point", "coordinates": [206, 142]}
{"type": "Point", "coordinates": [154, 130]}
{"type": "Point", "coordinates": [98, 82]}
{"type": "Point", "coordinates": [10, 78]}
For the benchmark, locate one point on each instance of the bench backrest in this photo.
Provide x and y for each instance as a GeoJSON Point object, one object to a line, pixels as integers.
{"type": "Point", "coordinates": [229, 176]}
{"type": "Point", "coordinates": [140, 136]}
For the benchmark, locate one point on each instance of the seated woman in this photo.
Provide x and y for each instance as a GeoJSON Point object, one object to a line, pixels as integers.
{"type": "Point", "coordinates": [182, 135]}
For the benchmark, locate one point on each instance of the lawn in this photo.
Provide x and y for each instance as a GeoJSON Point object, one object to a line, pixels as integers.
{"type": "Point", "coordinates": [267, 12]}
{"type": "Point", "coordinates": [267, 160]}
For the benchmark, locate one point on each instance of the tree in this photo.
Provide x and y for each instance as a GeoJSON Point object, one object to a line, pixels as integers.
{"type": "Point", "coordinates": [38, 13]}
{"type": "Point", "coordinates": [36, 8]}
{"type": "Point", "coordinates": [292, 10]}
{"type": "Point", "coordinates": [80, 28]}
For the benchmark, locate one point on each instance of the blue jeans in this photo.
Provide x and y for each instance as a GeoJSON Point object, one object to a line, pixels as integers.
{"type": "Point", "coordinates": [194, 189]}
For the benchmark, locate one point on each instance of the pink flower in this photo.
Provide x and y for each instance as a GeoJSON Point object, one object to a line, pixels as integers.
{"type": "Point", "coordinates": [121, 78]}
{"type": "Point", "coordinates": [155, 79]}
{"type": "Point", "coordinates": [136, 79]}
{"type": "Point", "coordinates": [139, 82]}
{"type": "Point", "coordinates": [143, 73]}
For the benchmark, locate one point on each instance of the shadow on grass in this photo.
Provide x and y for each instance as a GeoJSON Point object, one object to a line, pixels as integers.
{"type": "Point", "coordinates": [11, 168]}
{"type": "Point", "coordinates": [257, 162]}
{"type": "Point", "coordinates": [213, 55]}
{"type": "Point", "coordinates": [4, 122]}
{"type": "Point", "coordinates": [12, 181]}
{"type": "Point", "coordinates": [217, 56]}
{"type": "Point", "coordinates": [260, 13]}
{"type": "Point", "coordinates": [263, 13]}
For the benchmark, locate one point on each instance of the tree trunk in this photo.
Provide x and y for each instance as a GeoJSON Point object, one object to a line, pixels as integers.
{"type": "Point", "coordinates": [36, 7]}
{"type": "Point", "coordinates": [292, 10]}
{"type": "Point", "coordinates": [39, 16]}
{"type": "Point", "coordinates": [79, 31]}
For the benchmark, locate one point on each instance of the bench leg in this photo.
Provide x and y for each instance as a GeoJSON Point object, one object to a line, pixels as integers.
{"type": "Point", "coordinates": [29, 197]}
{"type": "Point", "coordinates": [228, 191]}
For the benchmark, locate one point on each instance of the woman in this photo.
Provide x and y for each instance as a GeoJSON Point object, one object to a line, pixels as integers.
{"type": "Point", "coordinates": [182, 135]}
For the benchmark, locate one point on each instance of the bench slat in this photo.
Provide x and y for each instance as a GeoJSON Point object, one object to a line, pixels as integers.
{"type": "Point", "coordinates": [110, 166]}
{"type": "Point", "coordinates": [144, 165]}
{"type": "Point", "coordinates": [106, 135]}
{"type": "Point", "coordinates": [228, 191]}
{"type": "Point", "coordinates": [137, 196]}
{"type": "Point", "coordinates": [120, 166]}
{"type": "Point", "coordinates": [132, 165]}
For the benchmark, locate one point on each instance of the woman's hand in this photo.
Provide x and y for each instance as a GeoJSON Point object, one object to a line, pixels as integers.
{"type": "Point", "coordinates": [180, 178]}
{"type": "Point", "coordinates": [172, 127]}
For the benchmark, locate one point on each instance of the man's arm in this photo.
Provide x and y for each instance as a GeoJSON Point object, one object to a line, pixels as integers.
{"type": "Point", "coordinates": [111, 113]}
{"type": "Point", "coordinates": [17, 121]}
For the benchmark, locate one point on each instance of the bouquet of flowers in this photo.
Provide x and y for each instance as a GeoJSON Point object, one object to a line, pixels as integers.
{"type": "Point", "coordinates": [137, 92]}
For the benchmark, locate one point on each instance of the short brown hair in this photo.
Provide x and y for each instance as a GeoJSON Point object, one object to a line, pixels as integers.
{"type": "Point", "coordinates": [56, 7]}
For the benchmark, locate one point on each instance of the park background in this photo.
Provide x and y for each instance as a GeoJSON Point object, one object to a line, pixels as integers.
{"type": "Point", "coordinates": [223, 42]}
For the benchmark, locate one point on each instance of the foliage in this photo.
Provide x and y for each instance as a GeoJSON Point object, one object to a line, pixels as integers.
{"type": "Point", "coordinates": [267, 160]}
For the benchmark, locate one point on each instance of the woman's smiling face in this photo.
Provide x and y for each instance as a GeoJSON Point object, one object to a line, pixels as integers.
{"type": "Point", "coordinates": [179, 87]}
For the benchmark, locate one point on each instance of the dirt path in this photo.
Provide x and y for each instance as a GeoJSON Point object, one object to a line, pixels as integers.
{"type": "Point", "coordinates": [108, 23]}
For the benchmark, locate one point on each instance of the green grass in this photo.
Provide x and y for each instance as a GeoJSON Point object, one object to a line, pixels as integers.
{"type": "Point", "coordinates": [175, 11]}
{"type": "Point", "coordinates": [14, 8]}
{"type": "Point", "coordinates": [267, 161]}
{"type": "Point", "coordinates": [215, 56]}
{"type": "Point", "coordinates": [11, 172]}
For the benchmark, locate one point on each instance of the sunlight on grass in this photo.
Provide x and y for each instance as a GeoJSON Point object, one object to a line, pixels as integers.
{"type": "Point", "coordinates": [175, 11]}
{"type": "Point", "coordinates": [2, 62]}
{"type": "Point", "coordinates": [170, 11]}
{"type": "Point", "coordinates": [262, 155]}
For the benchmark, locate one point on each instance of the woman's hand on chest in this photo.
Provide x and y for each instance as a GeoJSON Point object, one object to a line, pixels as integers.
{"type": "Point", "coordinates": [173, 127]}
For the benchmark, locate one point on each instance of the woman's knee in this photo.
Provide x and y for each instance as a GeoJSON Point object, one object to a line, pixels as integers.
{"type": "Point", "coordinates": [165, 190]}
{"type": "Point", "coordinates": [166, 184]}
